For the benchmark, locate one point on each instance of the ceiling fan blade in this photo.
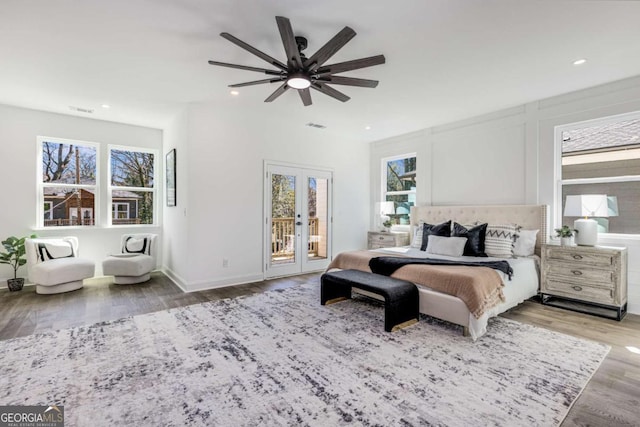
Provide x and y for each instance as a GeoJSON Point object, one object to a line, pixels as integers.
{"type": "Point", "coordinates": [245, 67]}
{"type": "Point", "coordinates": [289, 42]}
{"type": "Point", "coordinates": [348, 81]}
{"type": "Point", "coordinates": [305, 95]}
{"type": "Point", "coordinates": [330, 48]}
{"type": "Point", "coordinates": [257, 82]}
{"type": "Point", "coordinates": [328, 90]}
{"type": "Point", "coordinates": [282, 89]}
{"type": "Point", "coordinates": [355, 64]}
{"type": "Point", "coordinates": [255, 51]}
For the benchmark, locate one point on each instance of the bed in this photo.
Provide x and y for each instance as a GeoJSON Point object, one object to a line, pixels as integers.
{"type": "Point", "coordinates": [523, 285]}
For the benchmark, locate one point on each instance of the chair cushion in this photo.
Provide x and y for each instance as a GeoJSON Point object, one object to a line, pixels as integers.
{"type": "Point", "coordinates": [61, 270]}
{"type": "Point", "coordinates": [127, 266]}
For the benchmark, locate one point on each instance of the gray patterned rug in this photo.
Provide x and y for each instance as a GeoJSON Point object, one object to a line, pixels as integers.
{"type": "Point", "coordinates": [279, 358]}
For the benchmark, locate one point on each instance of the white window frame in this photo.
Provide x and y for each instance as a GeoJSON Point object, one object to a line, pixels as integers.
{"type": "Point", "coordinates": [41, 184]}
{"type": "Point", "coordinates": [598, 180]}
{"type": "Point", "coordinates": [383, 175]}
{"type": "Point", "coordinates": [154, 189]}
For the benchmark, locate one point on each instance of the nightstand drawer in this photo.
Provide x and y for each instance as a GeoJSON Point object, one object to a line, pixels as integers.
{"type": "Point", "coordinates": [576, 255]}
{"type": "Point", "coordinates": [382, 239]}
{"type": "Point", "coordinates": [379, 239]}
{"type": "Point", "coordinates": [582, 292]}
{"type": "Point", "coordinates": [580, 272]}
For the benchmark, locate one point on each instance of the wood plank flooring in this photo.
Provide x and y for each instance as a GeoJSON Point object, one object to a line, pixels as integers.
{"type": "Point", "coordinates": [612, 397]}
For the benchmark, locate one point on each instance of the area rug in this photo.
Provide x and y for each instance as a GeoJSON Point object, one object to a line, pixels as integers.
{"type": "Point", "coordinates": [280, 358]}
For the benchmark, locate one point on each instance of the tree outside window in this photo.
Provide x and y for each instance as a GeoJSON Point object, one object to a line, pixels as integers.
{"type": "Point", "coordinates": [399, 185]}
{"type": "Point", "coordinates": [67, 189]}
{"type": "Point", "coordinates": [132, 182]}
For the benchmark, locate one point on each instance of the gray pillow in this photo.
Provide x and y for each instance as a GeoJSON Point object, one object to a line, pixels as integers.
{"type": "Point", "coordinates": [451, 246]}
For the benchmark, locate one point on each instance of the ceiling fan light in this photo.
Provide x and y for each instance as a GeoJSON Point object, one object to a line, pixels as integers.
{"type": "Point", "coordinates": [298, 81]}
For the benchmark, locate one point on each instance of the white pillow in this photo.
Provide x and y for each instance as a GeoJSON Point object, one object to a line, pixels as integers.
{"type": "Point", "coordinates": [440, 245]}
{"type": "Point", "coordinates": [525, 244]}
{"type": "Point", "coordinates": [416, 242]}
{"type": "Point", "coordinates": [499, 240]}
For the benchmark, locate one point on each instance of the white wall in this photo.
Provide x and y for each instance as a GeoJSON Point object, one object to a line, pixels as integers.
{"type": "Point", "coordinates": [19, 128]}
{"type": "Point", "coordinates": [507, 157]}
{"type": "Point", "coordinates": [175, 221]}
{"type": "Point", "coordinates": [224, 196]}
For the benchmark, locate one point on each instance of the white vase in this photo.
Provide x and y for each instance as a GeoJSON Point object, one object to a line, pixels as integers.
{"type": "Point", "coordinates": [566, 241]}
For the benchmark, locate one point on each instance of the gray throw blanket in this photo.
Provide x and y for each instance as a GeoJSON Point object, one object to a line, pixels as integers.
{"type": "Point", "coordinates": [387, 265]}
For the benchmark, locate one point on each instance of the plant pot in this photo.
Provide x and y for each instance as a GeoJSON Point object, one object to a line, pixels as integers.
{"type": "Point", "coordinates": [15, 284]}
{"type": "Point", "coordinates": [566, 241]}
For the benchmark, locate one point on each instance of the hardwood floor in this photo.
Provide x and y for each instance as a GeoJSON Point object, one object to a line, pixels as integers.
{"type": "Point", "coordinates": [612, 397]}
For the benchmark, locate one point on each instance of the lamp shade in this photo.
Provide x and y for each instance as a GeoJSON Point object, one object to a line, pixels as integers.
{"type": "Point", "coordinates": [387, 208]}
{"type": "Point", "coordinates": [587, 205]}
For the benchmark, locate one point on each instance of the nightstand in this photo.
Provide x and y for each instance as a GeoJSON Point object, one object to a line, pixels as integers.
{"type": "Point", "coordinates": [589, 279]}
{"type": "Point", "coordinates": [386, 239]}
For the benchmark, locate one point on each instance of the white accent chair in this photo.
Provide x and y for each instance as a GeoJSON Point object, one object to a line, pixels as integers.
{"type": "Point", "coordinates": [53, 264]}
{"type": "Point", "coordinates": [136, 260]}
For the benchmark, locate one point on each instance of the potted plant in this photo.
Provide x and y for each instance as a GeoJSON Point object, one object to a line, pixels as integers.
{"type": "Point", "coordinates": [14, 256]}
{"type": "Point", "coordinates": [565, 233]}
{"type": "Point", "coordinates": [387, 225]}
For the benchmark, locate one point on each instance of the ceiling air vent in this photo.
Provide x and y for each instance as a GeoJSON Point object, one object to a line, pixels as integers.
{"type": "Point", "coordinates": [81, 110]}
{"type": "Point", "coordinates": [316, 125]}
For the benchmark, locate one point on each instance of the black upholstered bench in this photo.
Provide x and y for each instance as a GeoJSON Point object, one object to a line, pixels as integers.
{"type": "Point", "coordinates": [401, 300]}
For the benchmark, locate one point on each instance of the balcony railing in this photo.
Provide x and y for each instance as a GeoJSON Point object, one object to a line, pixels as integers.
{"type": "Point", "coordinates": [283, 232]}
{"type": "Point", "coordinates": [64, 222]}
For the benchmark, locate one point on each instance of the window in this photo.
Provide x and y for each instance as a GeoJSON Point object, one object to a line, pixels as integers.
{"type": "Point", "coordinates": [67, 189]}
{"type": "Point", "coordinates": [602, 157]}
{"type": "Point", "coordinates": [132, 185]}
{"type": "Point", "coordinates": [120, 211]}
{"type": "Point", "coordinates": [399, 186]}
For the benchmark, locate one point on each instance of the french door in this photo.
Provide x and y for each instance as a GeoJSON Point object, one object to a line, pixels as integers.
{"type": "Point", "coordinates": [297, 220]}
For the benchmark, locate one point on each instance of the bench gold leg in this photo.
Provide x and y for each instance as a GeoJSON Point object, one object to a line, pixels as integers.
{"type": "Point", "coordinates": [335, 300]}
{"type": "Point", "coordinates": [465, 331]}
{"type": "Point", "coordinates": [404, 325]}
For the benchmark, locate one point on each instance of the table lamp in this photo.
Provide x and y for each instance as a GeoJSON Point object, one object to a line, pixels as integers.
{"type": "Point", "coordinates": [586, 205]}
{"type": "Point", "coordinates": [385, 209]}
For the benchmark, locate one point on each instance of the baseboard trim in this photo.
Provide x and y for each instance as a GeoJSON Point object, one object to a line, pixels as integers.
{"type": "Point", "coordinates": [203, 285]}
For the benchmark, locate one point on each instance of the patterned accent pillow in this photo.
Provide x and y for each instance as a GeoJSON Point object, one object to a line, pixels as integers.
{"type": "Point", "coordinates": [134, 245]}
{"type": "Point", "coordinates": [499, 240]}
{"type": "Point", "coordinates": [54, 250]}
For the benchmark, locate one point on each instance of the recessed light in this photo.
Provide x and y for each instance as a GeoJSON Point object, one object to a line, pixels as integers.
{"type": "Point", "coordinates": [579, 61]}
{"type": "Point", "coordinates": [107, 106]}
{"type": "Point", "coordinates": [234, 93]}
{"type": "Point", "coordinates": [367, 127]}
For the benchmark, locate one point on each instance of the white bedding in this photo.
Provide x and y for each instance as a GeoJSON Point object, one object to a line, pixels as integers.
{"type": "Point", "coordinates": [523, 284]}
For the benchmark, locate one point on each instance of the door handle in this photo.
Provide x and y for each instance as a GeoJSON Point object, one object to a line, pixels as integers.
{"type": "Point", "coordinates": [299, 223]}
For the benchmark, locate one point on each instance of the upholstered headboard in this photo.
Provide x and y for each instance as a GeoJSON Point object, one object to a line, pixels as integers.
{"type": "Point", "coordinates": [529, 217]}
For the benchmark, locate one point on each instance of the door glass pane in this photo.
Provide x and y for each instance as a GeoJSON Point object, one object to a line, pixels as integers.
{"type": "Point", "coordinates": [318, 189]}
{"type": "Point", "coordinates": [283, 229]}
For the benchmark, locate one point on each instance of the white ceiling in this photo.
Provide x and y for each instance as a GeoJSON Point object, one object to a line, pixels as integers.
{"type": "Point", "coordinates": [446, 59]}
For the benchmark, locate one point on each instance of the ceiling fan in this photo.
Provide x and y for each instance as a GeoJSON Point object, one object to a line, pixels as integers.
{"type": "Point", "coordinates": [302, 73]}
